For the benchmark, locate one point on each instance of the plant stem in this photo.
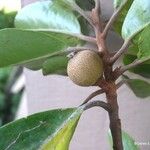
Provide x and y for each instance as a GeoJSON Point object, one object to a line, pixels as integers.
{"type": "Point", "coordinates": [98, 6]}
{"type": "Point", "coordinates": [115, 123]}
{"type": "Point", "coordinates": [98, 92]}
{"type": "Point", "coordinates": [94, 94]}
{"type": "Point", "coordinates": [119, 71]}
{"type": "Point", "coordinates": [112, 20]}
{"type": "Point", "coordinates": [85, 38]}
{"type": "Point", "coordinates": [121, 51]}
{"type": "Point", "coordinates": [81, 12]}
{"type": "Point", "coordinates": [97, 103]}
{"type": "Point", "coordinates": [132, 65]}
{"type": "Point", "coordinates": [107, 82]}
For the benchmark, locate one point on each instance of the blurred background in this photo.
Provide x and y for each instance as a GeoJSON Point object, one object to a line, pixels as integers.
{"type": "Point", "coordinates": [11, 85]}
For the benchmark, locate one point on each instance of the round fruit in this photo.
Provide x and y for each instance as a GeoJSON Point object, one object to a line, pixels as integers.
{"type": "Point", "coordinates": [85, 68]}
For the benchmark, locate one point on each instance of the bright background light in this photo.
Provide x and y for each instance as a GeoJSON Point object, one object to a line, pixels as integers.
{"type": "Point", "coordinates": [10, 5]}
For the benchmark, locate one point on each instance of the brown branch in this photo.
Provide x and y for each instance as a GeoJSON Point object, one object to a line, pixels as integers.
{"type": "Point", "coordinates": [132, 65]}
{"type": "Point", "coordinates": [112, 20]}
{"type": "Point", "coordinates": [121, 51]}
{"type": "Point", "coordinates": [95, 15]}
{"type": "Point", "coordinates": [115, 123]}
{"type": "Point", "coordinates": [98, 25]}
{"type": "Point", "coordinates": [98, 92]}
{"type": "Point", "coordinates": [119, 84]}
{"type": "Point", "coordinates": [94, 94]}
{"type": "Point", "coordinates": [107, 84]}
{"type": "Point", "coordinates": [97, 103]}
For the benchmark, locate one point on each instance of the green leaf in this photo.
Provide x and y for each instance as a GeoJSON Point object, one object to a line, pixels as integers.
{"type": "Point", "coordinates": [55, 65]}
{"type": "Point", "coordinates": [137, 18]}
{"type": "Point", "coordinates": [139, 87]}
{"type": "Point", "coordinates": [20, 46]}
{"type": "Point", "coordinates": [35, 65]}
{"type": "Point", "coordinates": [142, 69]}
{"type": "Point", "coordinates": [51, 130]}
{"type": "Point", "coordinates": [4, 73]}
{"type": "Point", "coordinates": [118, 3]}
{"type": "Point", "coordinates": [119, 22]}
{"type": "Point", "coordinates": [144, 44]}
{"type": "Point", "coordinates": [2, 100]}
{"type": "Point", "coordinates": [128, 142]}
{"type": "Point", "coordinates": [132, 55]}
{"type": "Point", "coordinates": [47, 15]}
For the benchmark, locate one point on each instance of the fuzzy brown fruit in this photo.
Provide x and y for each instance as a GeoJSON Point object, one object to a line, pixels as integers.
{"type": "Point", "coordinates": [85, 68]}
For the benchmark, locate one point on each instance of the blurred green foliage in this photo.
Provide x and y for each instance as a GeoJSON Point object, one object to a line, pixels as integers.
{"type": "Point", "coordinates": [8, 101]}
{"type": "Point", "coordinates": [7, 19]}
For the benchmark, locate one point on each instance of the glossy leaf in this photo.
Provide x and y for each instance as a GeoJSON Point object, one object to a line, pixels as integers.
{"type": "Point", "coordinates": [128, 142]}
{"type": "Point", "coordinates": [86, 6]}
{"type": "Point", "coordinates": [55, 65]}
{"type": "Point", "coordinates": [47, 130]}
{"type": "Point", "coordinates": [20, 46]}
{"type": "Point", "coordinates": [137, 18]}
{"type": "Point", "coordinates": [119, 22]}
{"type": "Point", "coordinates": [47, 15]}
{"type": "Point", "coordinates": [144, 44]}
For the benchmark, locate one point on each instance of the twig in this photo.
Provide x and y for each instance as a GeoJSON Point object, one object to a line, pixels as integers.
{"type": "Point", "coordinates": [119, 84]}
{"type": "Point", "coordinates": [112, 20]}
{"type": "Point", "coordinates": [121, 51]}
{"type": "Point", "coordinates": [132, 65]}
{"type": "Point", "coordinates": [101, 91]}
{"type": "Point", "coordinates": [96, 17]}
{"type": "Point", "coordinates": [85, 38]}
{"type": "Point", "coordinates": [97, 6]}
{"type": "Point", "coordinates": [81, 12]}
{"type": "Point", "coordinates": [97, 103]}
{"type": "Point", "coordinates": [94, 94]}
{"type": "Point", "coordinates": [98, 25]}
